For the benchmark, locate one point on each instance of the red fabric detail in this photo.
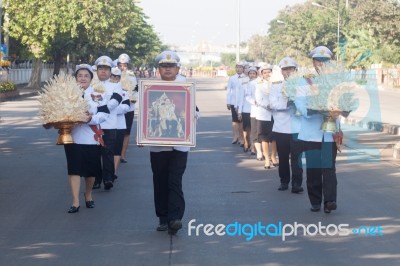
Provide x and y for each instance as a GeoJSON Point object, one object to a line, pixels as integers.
{"type": "Point", "coordinates": [98, 134]}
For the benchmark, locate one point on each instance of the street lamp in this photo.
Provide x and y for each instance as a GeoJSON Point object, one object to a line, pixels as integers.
{"type": "Point", "coordinates": [338, 26]}
{"type": "Point", "coordinates": [238, 32]}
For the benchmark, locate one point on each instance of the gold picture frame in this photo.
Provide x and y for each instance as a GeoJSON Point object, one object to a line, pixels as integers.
{"type": "Point", "coordinates": [166, 113]}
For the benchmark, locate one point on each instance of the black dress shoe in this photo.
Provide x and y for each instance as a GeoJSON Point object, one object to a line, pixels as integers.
{"type": "Point", "coordinates": [115, 177]}
{"type": "Point", "coordinates": [252, 153]}
{"type": "Point", "coordinates": [89, 204]}
{"type": "Point", "coordinates": [315, 208]}
{"type": "Point", "coordinates": [297, 189]}
{"type": "Point", "coordinates": [174, 226]}
{"type": "Point", "coordinates": [235, 141]}
{"type": "Point", "coordinates": [73, 209]}
{"type": "Point", "coordinates": [162, 227]}
{"type": "Point", "coordinates": [123, 160]}
{"type": "Point", "coordinates": [108, 185]}
{"type": "Point", "coordinates": [274, 164]}
{"type": "Point", "coordinates": [96, 186]}
{"type": "Point", "coordinates": [330, 206]}
{"type": "Point", "coordinates": [283, 187]}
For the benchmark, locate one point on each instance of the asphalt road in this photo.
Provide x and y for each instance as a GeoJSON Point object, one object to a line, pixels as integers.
{"type": "Point", "coordinates": [222, 185]}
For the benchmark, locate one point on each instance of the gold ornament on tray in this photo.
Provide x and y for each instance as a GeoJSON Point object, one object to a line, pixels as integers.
{"type": "Point", "coordinates": [62, 106]}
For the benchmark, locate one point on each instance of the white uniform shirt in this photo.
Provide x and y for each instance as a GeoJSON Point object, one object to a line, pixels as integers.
{"type": "Point", "coordinates": [122, 109]}
{"type": "Point", "coordinates": [285, 120]}
{"type": "Point", "coordinates": [112, 104]}
{"type": "Point", "coordinates": [82, 133]}
{"type": "Point", "coordinates": [251, 97]}
{"type": "Point", "coordinates": [233, 84]}
{"type": "Point", "coordinates": [262, 100]}
{"type": "Point", "coordinates": [245, 106]}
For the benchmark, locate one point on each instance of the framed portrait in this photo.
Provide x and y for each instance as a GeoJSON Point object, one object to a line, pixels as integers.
{"type": "Point", "coordinates": [166, 113]}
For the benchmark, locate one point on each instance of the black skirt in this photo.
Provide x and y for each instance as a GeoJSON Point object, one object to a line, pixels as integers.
{"type": "Point", "coordinates": [129, 121]}
{"type": "Point", "coordinates": [264, 131]}
{"type": "Point", "coordinates": [83, 160]}
{"type": "Point", "coordinates": [246, 121]}
{"type": "Point", "coordinates": [235, 117]}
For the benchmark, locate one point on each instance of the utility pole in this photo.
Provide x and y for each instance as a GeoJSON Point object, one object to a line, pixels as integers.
{"type": "Point", "coordinates": [238, 31]}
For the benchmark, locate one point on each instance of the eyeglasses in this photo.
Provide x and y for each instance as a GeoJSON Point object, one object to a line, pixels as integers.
{"type": "Point", "coordinates": [167, 65]}
{"type": "Point", "coordinates": [115, 76]}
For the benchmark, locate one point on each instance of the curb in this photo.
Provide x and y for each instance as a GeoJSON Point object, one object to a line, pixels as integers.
{"type": "Point", "coordinates": [377, 126]}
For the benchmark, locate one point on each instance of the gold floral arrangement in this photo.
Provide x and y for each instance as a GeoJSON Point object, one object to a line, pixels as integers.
{"type": "Point", "coordinates": [62, 101]}
{"type": "Point", "coordinates": [128, 85]}
{"type": "Point", "coordinates": [98, 87]}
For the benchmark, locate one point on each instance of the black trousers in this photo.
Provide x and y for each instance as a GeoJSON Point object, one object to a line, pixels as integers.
{"type": "Point", "coordinates": [107, 156]}
{"type": "Point", "coordinates": [321, 171]}
{"type": "Point", "coordinates": [168, 168]}
{"type": "Point", "coordinates": [289, 147]}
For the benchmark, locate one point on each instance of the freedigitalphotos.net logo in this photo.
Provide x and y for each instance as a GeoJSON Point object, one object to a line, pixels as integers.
{"type": "Point", "coordinates": [279, 229]}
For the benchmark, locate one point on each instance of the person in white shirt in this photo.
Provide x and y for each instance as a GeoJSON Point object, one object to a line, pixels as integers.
{"type": "Point", "coordinates": [286, 130]}
{"type": "Point", "coordinates": [245, 106]}
{"type": "Point", "coordinates": [231, 100]}
{"type": "Point", "coordinates": [84, 156]}
{"type": "Point", "coordinates": [264, 116]}
{"type": "Point", "coordinates": [129, 87]}
{"type": "Point", "coordinates": [113, 95]}
{"type": "Point", "coordinates": [122, 109]}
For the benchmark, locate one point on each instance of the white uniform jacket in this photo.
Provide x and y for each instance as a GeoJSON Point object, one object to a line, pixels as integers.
{"type": "Point", "coordinates": [233, 83]}
{"type": "Point", "coordinates": [82, 133]}
{"type": "Point", "coordinates": [113, 96]}
{"type": "Point", "coordinates": [285, 119]}
{"type": "Point", "coordinates": [262, 100]}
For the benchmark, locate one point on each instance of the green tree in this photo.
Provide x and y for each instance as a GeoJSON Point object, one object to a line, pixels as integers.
{"type": "Point", "coordinates": [55, 28]}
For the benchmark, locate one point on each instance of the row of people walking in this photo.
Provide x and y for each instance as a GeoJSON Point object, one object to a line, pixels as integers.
{"type": "Point", "coordinates": [99, 143]}
{"type": "Point", "coordinates": [262, 114]}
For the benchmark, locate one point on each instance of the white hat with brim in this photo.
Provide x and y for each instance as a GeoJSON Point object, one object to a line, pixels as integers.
{"type": "Point", "coordinates": [116, 71]}
{"type": "Point", "coordinates": [167, 57]}
{"type": "Point", "coordinates": [266, 66]}
{"type": "Point", "coordinates": [253, 69]}
{"type": "Point", "coordinates": [104, 61]}
{"type": "Point", "coordinates": [287, 62]}
{"type": "Point", "coordinates": [84, 66]}
{"type": "Point", "coordinates": [321, 53]}
{"type": "Point", "coordinates": [123, 59]}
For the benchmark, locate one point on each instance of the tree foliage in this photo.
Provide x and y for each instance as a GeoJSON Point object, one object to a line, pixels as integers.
{"type": "Point", "coordinates": [83, 29]}
{"type": "Point", "coordinates": [369, 31]}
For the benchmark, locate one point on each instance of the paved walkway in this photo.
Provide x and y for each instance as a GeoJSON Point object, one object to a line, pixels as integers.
{"type": "Point", "coordinates": [222, 185]}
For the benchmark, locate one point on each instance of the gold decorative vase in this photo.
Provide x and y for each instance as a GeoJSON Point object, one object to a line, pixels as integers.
{"type": "Point", "coordinates": [329, 124]}
{"type": "Point", "coordinates": [64, 131]}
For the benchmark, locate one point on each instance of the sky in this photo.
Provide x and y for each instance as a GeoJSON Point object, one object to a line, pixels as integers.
{"type": "Point", "coordinates": [189, 22]}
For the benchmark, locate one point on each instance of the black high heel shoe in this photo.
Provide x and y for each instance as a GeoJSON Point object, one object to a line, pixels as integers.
{"type": "Point", "coordinates": [89, 204]}
{"type": "Point", "coordinates": [274, 164]}
{"type": "Point", "coordinates": [73, 209]}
